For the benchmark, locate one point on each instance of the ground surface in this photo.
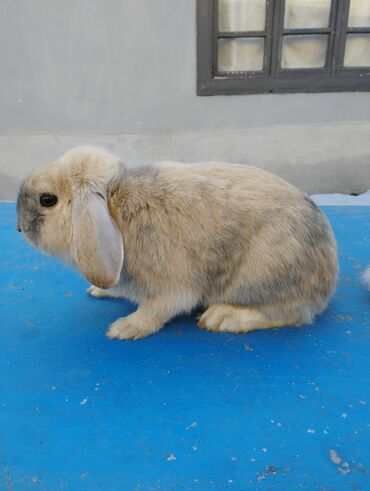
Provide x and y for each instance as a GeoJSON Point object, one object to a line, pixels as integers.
{"type": "Point", "coordinates": [184, 409]}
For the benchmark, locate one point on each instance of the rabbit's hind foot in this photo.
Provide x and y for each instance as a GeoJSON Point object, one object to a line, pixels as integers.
{"type": "Point", "coordinates": [230, 318]}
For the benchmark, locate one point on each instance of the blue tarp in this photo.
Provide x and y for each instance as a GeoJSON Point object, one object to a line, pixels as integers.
{"type": "Point", "coordinates": [183, 409]}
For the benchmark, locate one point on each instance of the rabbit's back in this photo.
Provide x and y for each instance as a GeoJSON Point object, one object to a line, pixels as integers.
{"type": "Point", "coordinates": [274, 241]}
{"type": "Point", "coordinates": [226, 233]}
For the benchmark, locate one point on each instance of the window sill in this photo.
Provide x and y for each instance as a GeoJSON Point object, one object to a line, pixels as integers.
{"type": "Point", "coordinates": [300, 81]}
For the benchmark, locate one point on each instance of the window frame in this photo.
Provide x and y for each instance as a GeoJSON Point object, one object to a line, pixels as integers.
{"type": "Point", "coordinates": [333, 77]}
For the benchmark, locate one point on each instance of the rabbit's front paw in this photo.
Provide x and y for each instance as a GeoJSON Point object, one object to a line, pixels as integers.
{"type": "Point", "coordinates": [134, 326]}
{"type": "Point", "coordinates": [97, 292]}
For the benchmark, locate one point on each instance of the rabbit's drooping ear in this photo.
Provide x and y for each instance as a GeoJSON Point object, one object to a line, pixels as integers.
{"type": "Point", "coordinates": [97, 245]}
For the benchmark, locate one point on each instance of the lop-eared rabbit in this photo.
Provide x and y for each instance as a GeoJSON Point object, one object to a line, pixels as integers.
{"type": "Point", "coordinates": [242, 244]}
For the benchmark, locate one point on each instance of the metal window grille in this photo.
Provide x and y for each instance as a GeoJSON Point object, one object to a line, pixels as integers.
{"type": "Point", "coordinates": [272, 76]}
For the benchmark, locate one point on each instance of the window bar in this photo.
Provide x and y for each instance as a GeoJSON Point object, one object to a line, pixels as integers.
{"type": "Point", "coordinates": [277, 36]}
{"type": "Point", "coordinates": [267, 57]}
{"type": "Point", "coordinates": [309, 30]}
{"type": "Point", "coordinates": [358, 30]}
{"type": "Point", "coordinates": [215, 38]}
{"type": "Point", "coordinates": [242, 34]}
{"type": "Point", "coordinates": [331, 37]}
{"type": "Point", "coordinates": [205, 40]}
{"type": "Point", "coordinates": [340, 35]}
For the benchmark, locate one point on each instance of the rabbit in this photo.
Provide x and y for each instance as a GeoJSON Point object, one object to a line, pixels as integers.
{"type": "Point", "coordinates": [242, 244]}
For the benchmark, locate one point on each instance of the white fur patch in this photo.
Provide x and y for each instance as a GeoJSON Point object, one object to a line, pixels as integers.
{"type": "Point", "coordinates": [366, 278]}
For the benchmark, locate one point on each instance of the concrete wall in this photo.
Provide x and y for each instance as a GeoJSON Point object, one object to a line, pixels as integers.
{"type": "Point", "coordinates": [122, 73]}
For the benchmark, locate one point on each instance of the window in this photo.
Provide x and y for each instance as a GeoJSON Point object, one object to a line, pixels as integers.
{"type": "Point", "coordinates": [259, 46]}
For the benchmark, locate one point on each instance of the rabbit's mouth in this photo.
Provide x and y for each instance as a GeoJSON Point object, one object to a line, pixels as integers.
{"type": "Point", "coordinates": [29, 218]}
{"type": "Point", "coordinates": [35, 224]}
{"type": "Point", "coordinates": [32, 228]}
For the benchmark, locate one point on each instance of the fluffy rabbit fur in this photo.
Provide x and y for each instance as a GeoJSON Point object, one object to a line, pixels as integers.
{"type": "Point", "coordinates": [250, 249]}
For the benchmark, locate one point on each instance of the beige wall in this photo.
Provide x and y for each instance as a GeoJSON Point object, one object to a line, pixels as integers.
{"type": "Point", "coordinates": [121, 73]}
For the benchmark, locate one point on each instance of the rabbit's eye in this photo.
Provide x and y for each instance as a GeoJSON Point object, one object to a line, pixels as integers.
{"type": "Point", "coordinates": [48, 200]}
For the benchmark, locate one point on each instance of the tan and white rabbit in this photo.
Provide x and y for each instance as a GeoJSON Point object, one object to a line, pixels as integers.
{"type": "Point", "coordinates": [243, 244]}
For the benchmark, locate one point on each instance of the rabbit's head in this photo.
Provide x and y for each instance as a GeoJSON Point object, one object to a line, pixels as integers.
{"type": "Point", "coordinates": [63, 210]}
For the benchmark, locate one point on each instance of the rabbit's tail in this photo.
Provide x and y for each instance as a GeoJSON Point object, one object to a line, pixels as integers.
{"type": "Point", "coordinates": [366, 278]}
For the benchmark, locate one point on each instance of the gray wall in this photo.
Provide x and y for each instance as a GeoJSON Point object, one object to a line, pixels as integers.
{"type": "Point", "coordinates": [122, 73]}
